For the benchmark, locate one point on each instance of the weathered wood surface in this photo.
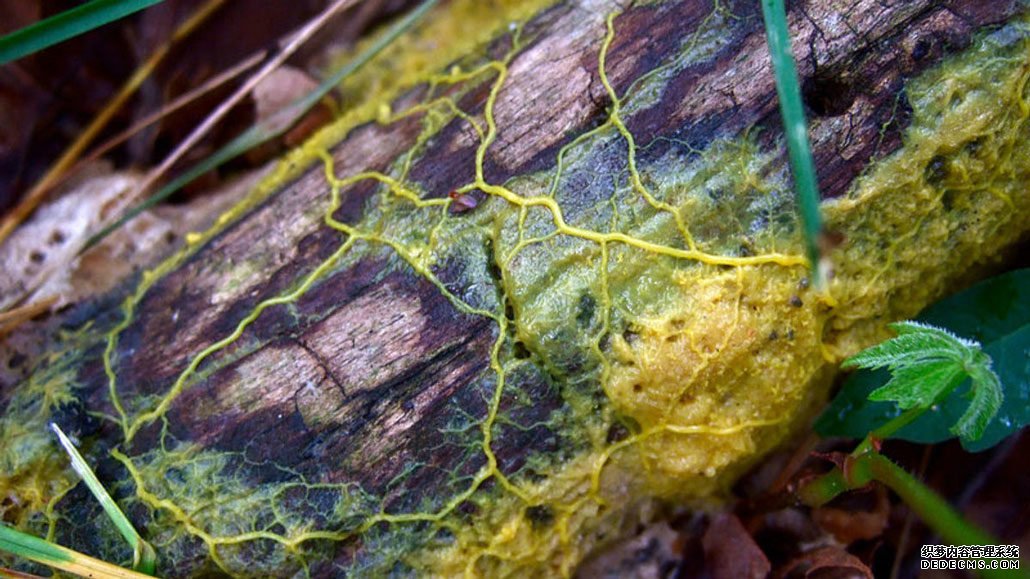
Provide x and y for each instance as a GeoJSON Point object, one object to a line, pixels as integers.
{"type": "Point", "coordinates": [301, 395]}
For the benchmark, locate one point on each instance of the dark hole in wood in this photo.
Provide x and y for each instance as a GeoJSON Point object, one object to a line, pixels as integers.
{"type": "Point", "coordinates": [827, 95]}
{"type": "Point", "coordinates": [936, 170]}
{"type": "Point", "coordinates": [540, 515]}
{"type": "Point", "coordinates": [616, 432]}
{"type": "Point", "coordinates": [16, 359]}
{"type": "Point", "coordinates": [922, 49]}
{"type": "Point", "coordinates": [521, 351]}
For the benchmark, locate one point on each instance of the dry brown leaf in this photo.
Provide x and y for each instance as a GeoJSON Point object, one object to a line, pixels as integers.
{"type": "Point", "coordinates": [825, 563]}
{"type": "Point", "coordinates": [152, 235]}
{"type": "Point", "coordinates": [273, 97]}
{"type": "Point", "coordinates": [39, 255]}
{"type": "Point", "coordinates": [652, 554]}
{"type": "Point", "coordinates": [41, 259]}
{"type": "Point", "coordinates": [280, 88]}
{"type": "Point", "coordinates": [731, 552]}
{"type": "Point", "coordinates": [856, 521]}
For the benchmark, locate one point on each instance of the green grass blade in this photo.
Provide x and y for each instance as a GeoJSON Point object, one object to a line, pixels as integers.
{"type": "Point", "coordinates": [795, 128]}
{"type": "Point", "coordinates": [65, 25]}
{"type": "Point", "coordinates": [144, 557]}
{"type": "Point", "coordinates": [32, 548]}
{"type": "Point", "coordinates": [262, 133]}
{"type": "Point", "coordinates": [58, 557]}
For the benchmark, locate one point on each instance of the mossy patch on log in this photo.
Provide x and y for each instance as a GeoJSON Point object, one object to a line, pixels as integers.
{"type": "Point", "coordinates": [475, 357]}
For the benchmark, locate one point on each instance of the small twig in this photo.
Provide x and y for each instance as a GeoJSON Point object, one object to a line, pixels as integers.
{"type": "Point", "coordinates": [166, 110]}
{"type": "Point", "coordinates": [181, 101]}
{"type": "Point", "coordinates": [13, 318]}
{"type": "Point", "coordinates": [797, 457]}
{"type": "Point", "coordinates": [271, 127]}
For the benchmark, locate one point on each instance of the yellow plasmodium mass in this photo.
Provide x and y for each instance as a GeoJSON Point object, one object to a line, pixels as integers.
{"type": "Point", "coordinates": [706, 366]}
{"type": "Point", "coordinates": [954, 195]}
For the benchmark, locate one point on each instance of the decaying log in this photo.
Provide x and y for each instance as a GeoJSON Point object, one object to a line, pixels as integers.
{"type": "Point", "coordinates": [485, 325]}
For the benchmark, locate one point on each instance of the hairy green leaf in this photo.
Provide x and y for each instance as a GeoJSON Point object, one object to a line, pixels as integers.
{"type": "Point", "coordinates": [920, 384]}
{"type": "Point", "coordinates": [987, 398]}
{"type": "Point", "coordinates": [926, 365]}
{"type": "Point", "coordinates": [915, 343]}
{"type": "Point", "coordinates": [997, 314]}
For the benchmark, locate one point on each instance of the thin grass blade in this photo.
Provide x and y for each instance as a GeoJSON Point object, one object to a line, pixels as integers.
{"type": "Point", "coordinates": [144, 558]}
{"type": "Point", "coordinates": [58, 557]}
{"type": "Point", "coordinates": [65, 25]}
{"type": "Point", "coordinates": [64, 163]}
{"type": "Point", "coordinates": [796, 130]}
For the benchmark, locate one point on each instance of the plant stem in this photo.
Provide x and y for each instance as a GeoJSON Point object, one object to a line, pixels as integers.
{"type": "Point", "coordinates": [937, 513]}
{"type": "Point", "coordinates": [263, 132]}
{"type": "Point", "coordinates": [887, 430]}
{"type": "Point", "coordinates": [862, 468]}
{"type": "Point", "coordinates": [796, 130]}
{"type": "Point", "coordinates": [822, 489]}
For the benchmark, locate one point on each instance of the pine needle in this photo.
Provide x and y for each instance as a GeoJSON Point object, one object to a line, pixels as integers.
{"type": "Point", "coordinates": [13, 318]}
{"type": "Point", "coordinates": [305, 33]}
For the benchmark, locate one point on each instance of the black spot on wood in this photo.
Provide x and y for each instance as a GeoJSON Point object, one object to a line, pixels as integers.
{"type": "Point", "coordinates": [585, 309]}
{"type": "Point", "coordinates": [521, 351]}
{"type": "Point", "coordinates": [827, 95]}
{"type": "Point", "coordinates": [540, 516]}
{"type": "Point", "coordinates": [616, 432]}
{"type": "Point", "coordinates": [936, 170]}
{"type": "Point", "coordinates": [922, 49]}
